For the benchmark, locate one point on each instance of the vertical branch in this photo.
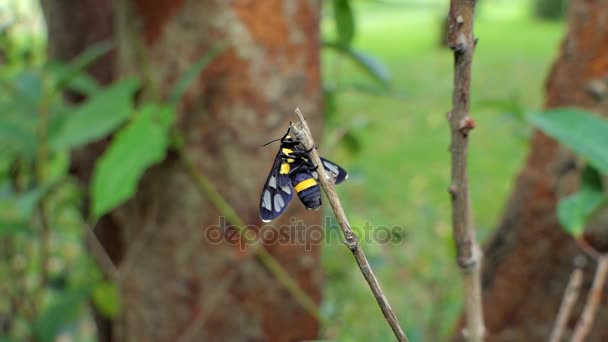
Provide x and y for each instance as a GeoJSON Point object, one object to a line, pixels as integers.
{"type": "Point", "coordinates": [350, 238]}
{"type": "Point", "coordinates": [570, 296]}
{"type": "Point", "coordinates": [593, 301]}
{"type": "Point", "coordinates": [469, 256]}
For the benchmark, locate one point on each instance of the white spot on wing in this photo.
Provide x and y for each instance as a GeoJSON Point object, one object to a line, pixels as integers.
{"type": "Point", "coordinates": [286, 189]}
{"type": "Point", "coordinates": [315, 174]}
{"type": "Point", "coordinates": [278, 203]}
{"type": "Point", "coordinates": [272, 182]}
{"type": "Point", "coordinates": [331, 167]}
{"type": "Point", "coordinates": [266, 203]}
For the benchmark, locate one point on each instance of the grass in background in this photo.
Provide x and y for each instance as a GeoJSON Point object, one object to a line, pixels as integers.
{"type": "Point", "coordinates": [401, 174]}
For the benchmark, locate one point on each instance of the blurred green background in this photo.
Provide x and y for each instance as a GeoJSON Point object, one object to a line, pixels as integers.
{"type": "Point", "coordinates": [384, 137]}
{"type": "Point", "coordinates": [408, 132]}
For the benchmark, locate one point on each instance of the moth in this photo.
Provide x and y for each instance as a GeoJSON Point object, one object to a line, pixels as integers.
{"type": "Point", "coordinates": [293, 171]}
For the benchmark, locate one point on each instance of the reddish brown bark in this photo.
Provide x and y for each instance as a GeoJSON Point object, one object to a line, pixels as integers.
{"type": "Point", "coordinates": [529, 259]}
{"type": "Point", "coordinates": [179, 283]}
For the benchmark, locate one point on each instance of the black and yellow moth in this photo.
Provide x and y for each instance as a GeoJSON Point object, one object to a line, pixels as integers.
{"type": "Point", "coordinates": [293, 171]}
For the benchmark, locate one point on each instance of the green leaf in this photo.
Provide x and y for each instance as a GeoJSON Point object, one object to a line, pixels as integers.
{"type": "Point", "coordinates": [345, 22]}
{"type": "Point", "coordinates": [190, 75]}
{"type": "Point", "coordinates": [65, 75]}
{"type": "Point", "coordinates": [581, 131]}
{"type": "Point", "coordinates": [17, 135]}
{"type": "Point", "coordinates": [330, 100]}
{"type": "Point", "coordinates": [135, 148]}
{"type": "Point", "coordinates": [97, 117]}
{"type": "Point", "coordinates": [106, 299]}
{"type": "Point", "coordinates": [574, 210]}
{"type": "Point", "coordinates": [61, 311]}
{"type": "Point", "coordinates": [8, 227]}
{"type": "Point", "coordinates": [27, 87]}
{"type": "Point", "coordinates": [369, 64]}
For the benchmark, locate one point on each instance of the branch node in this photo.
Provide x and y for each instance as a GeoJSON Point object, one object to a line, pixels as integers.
{"type": "Point", "coordinates": [459, 20]}
{"type": "Point", "coordinates": [460, 45]}
{"type": "Point", "coordinates": [453, 190]}
{"type": "Point", "coordinates": [467, 263]}
{"type": "Point", "coordinates": [466, 125]}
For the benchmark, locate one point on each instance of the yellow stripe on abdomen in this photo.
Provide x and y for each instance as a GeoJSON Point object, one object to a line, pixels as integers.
{"type": "Point", "coordinates": [303, 185]}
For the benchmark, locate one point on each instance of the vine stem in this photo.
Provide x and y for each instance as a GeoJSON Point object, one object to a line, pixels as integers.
{"type": "Point", "coordinates": [469, 255]}
{"type": "Point", "coordinates": [350, 238]}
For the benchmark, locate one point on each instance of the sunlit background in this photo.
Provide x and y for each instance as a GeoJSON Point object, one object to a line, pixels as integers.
{"type": "Point", "coordinates": [394, 142]}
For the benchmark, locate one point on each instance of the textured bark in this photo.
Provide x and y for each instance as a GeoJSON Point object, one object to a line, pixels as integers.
{"type": "Point", "coordinates": [530, 258]}
{"type": "Point", "coordinates": [177, 283]}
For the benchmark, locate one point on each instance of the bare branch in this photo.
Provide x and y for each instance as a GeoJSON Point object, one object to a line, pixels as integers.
{"type": "Point", "coordinates": [593, 301]}
{"type": "Point", "coordinates": [570, 296]}
{"type": "Point", "coordinates": [350, 238]}
{"type": "Point", "coordinates": [469, 255]}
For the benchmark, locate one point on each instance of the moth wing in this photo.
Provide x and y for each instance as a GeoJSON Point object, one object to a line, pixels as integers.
{"type": "Point", "coordinates": [276, 193]}
{"type": "Point", "coordinates": [336, 172]}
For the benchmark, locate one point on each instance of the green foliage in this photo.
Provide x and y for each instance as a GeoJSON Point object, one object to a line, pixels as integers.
{"type": "Point", "coordinates": [71, 76]}
{"type": "Point", "coordinates": [194, 71]}
{"type": "Point", "coordinates": [549, 9]}
{"type": "Point", "coordinates": [584, 133]}
{"type": "Point", "coordinates": [366, 62]}
{"type": "Point", "coordinates": [63, 309]}
{"type": "Point", "coordinates": [574, 210]}
{"type": "Point", "coordinates": [107, 299]}
{"type": "Point", "coordinates": [142, 143]}
{"type": "Point", "coordinates": [581, 131]}
{"type": "Point", "coordinates": [345, 29]}
{"type": "Point", "coordinates": [42, 220]}
{"type": "Point", "coordinates": [345, 22]}
{"type": "Point", "coordinates": [96, 118]}
{"type": "Point", "coordinates": [400, 175]}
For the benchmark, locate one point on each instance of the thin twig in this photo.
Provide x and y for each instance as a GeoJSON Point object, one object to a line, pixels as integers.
{"type": "Point", "coordinates": [570, 296]}
{"type": "Point", "coordinates": [206, 188]}
{"type": "Point", "coordinates": [101, 255]}
{"type": "Point", "coordinates": [469, 255]}
{"type": "Point", "coordinates": [593, 301]}
{"type": "Point", "coordinates": [350, 238]}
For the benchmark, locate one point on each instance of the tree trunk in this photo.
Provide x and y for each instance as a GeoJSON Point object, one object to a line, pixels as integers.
{"type": "Point", "coordinates": [529, 259]}
{"type": "Point", "coordinates": [177, 283]}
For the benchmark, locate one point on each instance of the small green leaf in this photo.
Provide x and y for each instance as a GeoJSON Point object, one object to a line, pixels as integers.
{"type": "Point", "coordinates": [107, 299]}
{"type": "Point", "coordinates": [190, 75]}
{"type": "Point", "coordinates": [345, 22]}
{"type": "Point", "coordinates": [142, 143]}
{"type": "Point", "coordinates": [97, 117]}
{"type": "Point", "coordinates": [574, 211]}
{"type": "Point", "coordinates": [369, 64]}
{"type": "Point", "coordinates": [65, 74]}
{"type": "Point", "coordinates": [61, 311]}
{"type": "Point", "coordinates": [581, 131]}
